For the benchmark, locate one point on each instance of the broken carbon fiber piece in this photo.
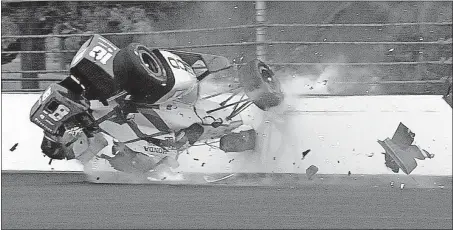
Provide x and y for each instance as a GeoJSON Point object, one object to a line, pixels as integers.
{"type": "Point", "coordinates": [311, 171]}
{"type": "Point", "coordinates": [399, 151]}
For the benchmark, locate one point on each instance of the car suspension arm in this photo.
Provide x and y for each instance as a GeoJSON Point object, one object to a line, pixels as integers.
{"type": "Point", "coordinates": [217, 94]}
{"type": "Point", "coordinates": [239, 110]}
{"type": "Point", "coordinates": [225, 106]}
{"type": "Point", "coordinates": [229, 98]}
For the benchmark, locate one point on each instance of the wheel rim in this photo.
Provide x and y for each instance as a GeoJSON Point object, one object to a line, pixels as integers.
{"type": "Point", "coordinates": [149, 62]}
{"type": "Point", "coordinates": [267, 76]}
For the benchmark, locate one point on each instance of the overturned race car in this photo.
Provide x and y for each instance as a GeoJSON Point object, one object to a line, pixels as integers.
{"type": "Point", "coordinates": [145, 106]}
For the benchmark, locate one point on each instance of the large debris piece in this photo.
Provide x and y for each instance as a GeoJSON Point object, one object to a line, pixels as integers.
{"type": "Point", "coordinates": [399, 151]}
{"type": "Point", "coordinates": [311, 171]}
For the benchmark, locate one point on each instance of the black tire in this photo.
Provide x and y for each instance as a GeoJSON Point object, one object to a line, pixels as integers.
{"type": "Point", "coordinates": [143, 73]}
{"type": "Point", "coordinates": [99, 84]}
{"type": "Point", "coordinates": [260, 85]}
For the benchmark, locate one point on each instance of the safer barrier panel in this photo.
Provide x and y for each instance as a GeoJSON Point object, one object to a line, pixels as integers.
{"type": "Point", "coordinates": [340, 132]}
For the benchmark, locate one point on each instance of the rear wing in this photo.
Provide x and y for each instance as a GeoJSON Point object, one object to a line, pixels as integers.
{"type": "Point", "coordinates": [203, 64]}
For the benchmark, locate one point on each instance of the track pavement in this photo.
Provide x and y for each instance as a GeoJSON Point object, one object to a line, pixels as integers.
{"type": "Point", "coordinates": [43, 200]}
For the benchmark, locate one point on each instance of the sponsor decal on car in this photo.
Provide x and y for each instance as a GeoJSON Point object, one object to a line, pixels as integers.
{"type": "Point", "coordinates": [108, 43]}
{"type": "Point", "coordinates": [154, 149]}
{"type": "Point", "coordinates": [42, 125]}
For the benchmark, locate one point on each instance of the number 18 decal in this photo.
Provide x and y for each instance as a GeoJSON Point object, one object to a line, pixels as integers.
{"type": "Point", "coordinates": [100, 54]}
{"type": "Point", "coordinates": [59, 113]}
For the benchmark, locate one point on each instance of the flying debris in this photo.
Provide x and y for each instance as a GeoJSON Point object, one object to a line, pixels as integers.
{"type": "Point", "coordinates": [311, 171]}
{"type": "Point", "coordinates": [399, 151]}
{"type": "Point", "coordinates": [14, 147]}
{"type": "Point", "coordinates": [304, 153]}
{"type": "Point", "coordinates": [211, 179]}
{"type": "Point", "coordinates": [391, 164]}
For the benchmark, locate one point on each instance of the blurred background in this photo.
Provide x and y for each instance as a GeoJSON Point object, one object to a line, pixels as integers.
{"type": "Point", "coordinates": [365, 48]}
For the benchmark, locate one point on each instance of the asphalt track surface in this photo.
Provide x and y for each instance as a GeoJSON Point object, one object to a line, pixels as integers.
{"type": "Point", "coordinates": [45, 200]}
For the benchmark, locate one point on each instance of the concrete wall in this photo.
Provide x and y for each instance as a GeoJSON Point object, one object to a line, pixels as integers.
{"type": "Point", "coordinates": [340, 131]}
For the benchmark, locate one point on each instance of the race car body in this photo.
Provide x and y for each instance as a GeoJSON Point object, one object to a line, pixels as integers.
{"type": "Point", "coordinates": [145, 105]}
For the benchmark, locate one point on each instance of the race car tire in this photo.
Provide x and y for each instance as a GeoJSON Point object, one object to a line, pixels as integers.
{"type": "Point", "coordinates": [99, 84]}
{"type": "Point", "coordinates": [260, 84]}
{"type": "Point", "coordinates": [143, 73]}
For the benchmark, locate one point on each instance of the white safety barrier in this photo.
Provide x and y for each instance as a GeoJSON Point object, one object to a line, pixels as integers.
{"type": "Point", "coordinates": [341, 133]}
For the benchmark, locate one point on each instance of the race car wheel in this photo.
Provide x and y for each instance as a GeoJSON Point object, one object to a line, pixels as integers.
{"type": "Point", "coordinates": [142, 73]}
{"type": "Point", "coordinates": [260, 85]}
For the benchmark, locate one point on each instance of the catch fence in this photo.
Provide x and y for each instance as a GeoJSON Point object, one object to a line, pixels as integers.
{"type": "Point", "coordinates": [12, 75]}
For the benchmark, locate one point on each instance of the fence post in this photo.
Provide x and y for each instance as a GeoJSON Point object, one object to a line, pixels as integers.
{"type": "Point", "coordinates": [260, 7]}
{"type": "Point", "coordinates": [31, 26]}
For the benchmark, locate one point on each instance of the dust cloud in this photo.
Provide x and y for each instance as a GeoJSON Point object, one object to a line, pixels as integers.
{"type": "Point", "coordinates": [280, 145]}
